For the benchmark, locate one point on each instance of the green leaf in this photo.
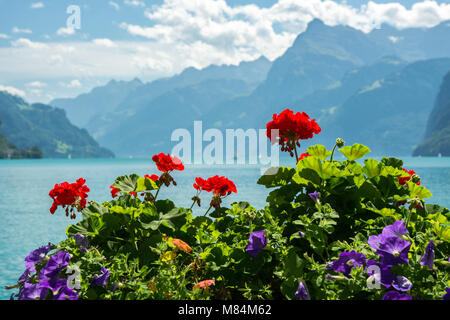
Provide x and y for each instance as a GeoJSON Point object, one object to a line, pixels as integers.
{"type": "Point", "coordinates": [392, 162]}
{"type": "Point", "coordinates": [325, 169]}
{"type": "Point", "coordinates": [354, 152]}
{"type": "Point", "coordinates": [372, 168]}
{"type": "Point", "coordinates": [293, 264]}
{"type": "Point", "coordinates": [145, 184]}
{"type": "Point", "coordinates": [92, 208]}
{"type": "Point", "coordinates": [276, 176]}
{"type": "Point", "coordinates": [318, 151]}
{"type": "Point", "coordinates": [418, 191]}
{"type": "Point", "coordinates": [126, 183]}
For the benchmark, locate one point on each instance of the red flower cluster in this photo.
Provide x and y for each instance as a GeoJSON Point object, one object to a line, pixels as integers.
{"type": "Point", "coordinates": [69, 194]}
{"type": "Point", "coordinates": [114, 191]}
{"type": "Point", "coordinates": [291, 128]}
{"type": "Point", "coordinates": [166, 163]}
{"type": "Point", "coordinates": [403, 180]}
{"type": "Point", "coordinates": [218, 185]}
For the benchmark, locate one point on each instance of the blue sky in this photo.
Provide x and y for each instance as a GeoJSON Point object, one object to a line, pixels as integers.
{"type": "Point", "coordinates": [41, 58]}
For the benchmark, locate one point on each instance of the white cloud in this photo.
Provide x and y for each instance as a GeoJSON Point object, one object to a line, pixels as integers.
{"type": "Point", "coordinates": [134, 3]}
{"type": "Point", "coordinates": [18, 30]}
{"type": "Point", "coordinates": [37, 5]}
{"type": "Point", "coordinates": [104, 43]}
{"type": "Point", "coordinates": [74, 84]}
{"type": "Point", "coordinates": [12, 90]}
{"type": "Point", "coordinates": [36, 84]}
{"type": "Point", "coordinates": [114, 5]}
{"type": "Point", "coordinates": [4, 36]}
{"type": "Point", "coordinates": [65, 31]}
{"type": "Point", "coordinates": [198, 33]}
{"type": "Point", "coordinates": [27, 43]}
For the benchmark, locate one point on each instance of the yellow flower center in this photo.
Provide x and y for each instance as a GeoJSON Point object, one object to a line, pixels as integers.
{"type": "Point", "coordinates": [396, 254]}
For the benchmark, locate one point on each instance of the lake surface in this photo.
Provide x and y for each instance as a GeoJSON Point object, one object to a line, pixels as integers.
{"type": "Point", "coordinates": [26, 222]}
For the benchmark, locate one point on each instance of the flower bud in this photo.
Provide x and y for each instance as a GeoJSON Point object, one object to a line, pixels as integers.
{"type": "Point", "coordinates": [415, 178]}
{"type": "Point", "coordinates": [339, 142]}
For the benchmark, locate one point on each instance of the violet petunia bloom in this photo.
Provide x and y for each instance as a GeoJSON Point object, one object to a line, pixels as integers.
{"type": "Point", "coordinates": [447, 295]}
{"type": "Point", "coordinates": [347, 261]}
{"type": "Point", "coordinates": [54, 284]}
{"type": "Point", "coordinates": [402, 283]}
{"type": "Point", "coordinates": [397, 229]}
{"type": "Point", "coordinates": [81, 240]}
{"type": "Point", "coordinates": [54, 265]}
{"type": "Point", "coordinates": [36, 256]}
{"type": "Point", "coordinates": [374, 241]}
{"type": "Point", "coordinates": [25, 277]}
{"type": "Point", "coordinates": [380, 273]}
{"type": "Point", "coordinates": [428, 258]}
{"type": "Point", "coordinates": [32, 292]}
{"type": "Point", "coordinates": [394, 295]}
{"type": "Point", "coordinates": [394, 251]}
{"type": "Point", "coordinates": [302, 292]}
{"type": "Point", "coordinates": [101, 279]}
{"type": "Point", "coordinates": [315, 196]}
{"type": "Point", "coordinates": [256, 243]}
{"type": "Point", "coordinates": [65, 293]}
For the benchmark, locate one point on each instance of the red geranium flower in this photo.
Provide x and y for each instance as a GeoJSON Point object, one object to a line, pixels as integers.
{"type": "Point", "coordinates": [114, 191]}
{"type": "Point", "coordinates": [402, 180]}
{"type": "Point", "coordinates": [219, 186]}
{"type": "Point", "coordinates": [291, 128]}
{"type": "Point", "coordinates": [73, 195]}
{"type": "Point", "coordinates": [166, 163]}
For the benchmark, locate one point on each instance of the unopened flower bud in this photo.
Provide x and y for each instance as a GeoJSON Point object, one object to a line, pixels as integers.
{"type": "Point", "coordinates": [339, 142]}
{"type": "Point", "coordinates": [415, 178]}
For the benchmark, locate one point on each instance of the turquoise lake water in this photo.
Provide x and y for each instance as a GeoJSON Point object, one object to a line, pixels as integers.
{"type": "Point", "coordinates": [26, 222]}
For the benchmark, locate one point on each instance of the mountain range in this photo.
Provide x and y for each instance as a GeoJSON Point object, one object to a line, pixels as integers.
{"type": "Point", "coordinates": [437, 135]}
{"type": "Point", "coordinates": [27, 125]}
{"type": "Point", "coordinates": [376, 88]}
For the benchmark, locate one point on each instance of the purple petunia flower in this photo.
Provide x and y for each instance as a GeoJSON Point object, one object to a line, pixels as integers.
{"type": "Point", "coordinates": [32, 292]}
{"type": "Point", "coordinates": [302, 292]}
{"type": "Point", "coordinates": [397, 229]}
{"type": "Point", "coordinates": [54, 284]}
{"type": "Point", "coordinates": [394, 295]}
{"type": "Point", "coordinates": [428, 257]}
{"type": "Point", "coordinates": [402, 283]}
{"type": "Point", "coordinates": [65, 293]}
{"type": "Point", "coordinates": [81, 240]}
{"type": "Point", "coordinates": [382, 274]}
{"type": "Point", "coordinates": [101, 279]}
{"type": "Point", "coordinates": [25, 277]}
{"type": "Point", "coordinates": [394, 251]}
{"type": "Point", "coordinates": [54, 265]}
{"type": "Point", "coordinates": [315, 196]}
{"type": "Point", "coordinates": [36, 256]}
{"type": "Point", "coordinates": [346, 261]}
{"type": "Point", "coordinates": [256, 243]}
{"type": "Point", "coordinates": [447, 295]}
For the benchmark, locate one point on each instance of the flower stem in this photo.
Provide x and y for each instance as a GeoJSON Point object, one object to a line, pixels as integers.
{"type": "Point", "coordinates": [207, 211]}
{"type": "Point", "coordinates": [296, 154]}
{"type": "Point", "coordinates": [332, 152]}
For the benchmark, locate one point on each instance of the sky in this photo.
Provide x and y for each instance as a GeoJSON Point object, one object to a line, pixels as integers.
{"type": "Point", "coordinates": [48, 51]}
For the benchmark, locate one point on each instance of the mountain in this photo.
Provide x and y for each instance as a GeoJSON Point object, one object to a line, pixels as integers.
{"type": "Point", "coordinates": [98, 101]}
{"type": "Point", "coordinates": [9, 151]}
{"type": "Point", "coordinates": [41, 125]}
{"type": "Point", "coordinates": [150, 128]}
{"type": "Point", "coordinates": [341, 76]}
{"type": "Point", "coordinates": [250, 74]}
{"type": "Point", "coordinates": [390, 115]}
{"type": "Point", "coordinates": [437, 136]}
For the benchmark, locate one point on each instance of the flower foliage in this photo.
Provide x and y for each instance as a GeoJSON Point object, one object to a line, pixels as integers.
{"type": "Point", "coordinates": [330, 230]}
